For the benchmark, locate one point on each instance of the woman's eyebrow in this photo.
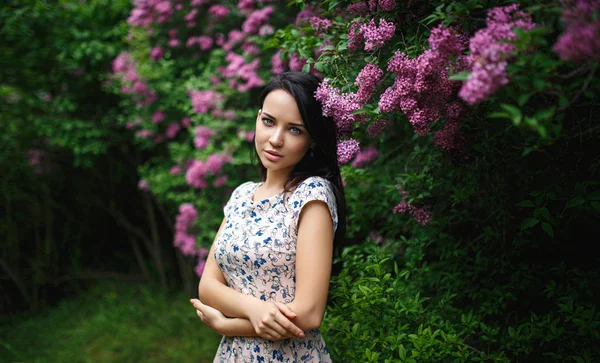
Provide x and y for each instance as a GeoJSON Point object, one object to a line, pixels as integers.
{"type": "Point", "coordinates": [274, 119]}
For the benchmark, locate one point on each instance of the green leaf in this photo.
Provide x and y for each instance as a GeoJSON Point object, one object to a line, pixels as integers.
{"type": "Point", "coordinates": [523, 98]}
{"type": "Point", "coordinates": [575, 202]}
{"type": "Point", "coordinates": [526, 203]}
{"type": "Point", "coordinates": [462, 76]}
{"type": "Point", "coordinates": [514, 112]}
{"type": "Point", "coordinates": [596, 206]}
{"type": "Point", "coordinates": [548, 228]}
{"type": "Point", "coordinates": [544, 212]}
{"type": "Point", "coordinates": [529, 222]}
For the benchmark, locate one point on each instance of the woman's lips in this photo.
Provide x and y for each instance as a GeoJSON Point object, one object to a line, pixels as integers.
{"type": "Point", "coordinates": [270, 155]}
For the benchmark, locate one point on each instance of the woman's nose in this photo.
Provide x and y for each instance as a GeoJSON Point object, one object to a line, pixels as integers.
{"type": "Point", "coordinates": [276, 138]}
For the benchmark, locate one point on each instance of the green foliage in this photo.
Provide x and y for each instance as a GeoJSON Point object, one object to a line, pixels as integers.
{"type": "Point", "coordinates": [110, 322]}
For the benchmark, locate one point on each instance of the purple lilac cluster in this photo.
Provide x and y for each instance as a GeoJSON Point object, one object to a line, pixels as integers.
{"type": "Point", "coordinates": [257, 19]}
{"type": "Point", "coordinates": [157, 53]}
{"type": "Point", "coordinates": [421, 87]}
{"type": "Point", "coordinates": [203, 41]}
{"type": "Point", "coordinates": [219, 11]}
{"type": "Point", "coordinates": [320, 25]}
{"type": "Point", "coordinates": [367, 80]}
{"type": "Point", "coordinates": [198, 170]}
{"type": "Point", "coordinates": [184, 240]}
{"type": "Point", "coordinates": [376, 35]}
{"type": "Point", "coordinates": [278, 65]}
{"type": "Point", "coordinates": [203, 135]}
{"type": "Point", "coordinates": [363, 8]}
{"type": "Point", "coordinates": [491, 49]}
{"type": "Point", "coordinates": [203, 101]}
{"type": "Point", "coordinates": [338, 106]}
{"type": "Point", "coordinates": [146, 12]}
{"type": "Point", "coordinates": [373, 36]}
{"type": "Point", "coordinates": [365, 157]}
{"type": "Point", "coordinates": [346, 150]}
{"type": "Point", "coordinates": [581, 39]}
{"type": "Point", "coordinates": [241, 75]}
{"type": "Point", "coordinates": [124, 67]}
{"type": "Point", "coordinates": [36, 159]}
{"type": "Point", "coordinates": [144, 185]}
{"type": "Point", "coordinates": [420, 214]}
{"type": "Point", "coordinates": [158, 117]}
{"type": "Point", "coordinates": [376, 127]}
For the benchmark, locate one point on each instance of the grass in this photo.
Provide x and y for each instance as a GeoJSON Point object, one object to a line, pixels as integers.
{"type": "Point", "coordinates": [111, 322]}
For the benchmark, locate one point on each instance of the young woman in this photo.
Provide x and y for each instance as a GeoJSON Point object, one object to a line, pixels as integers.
{"type": "Point", "coordinates": [265, 284]}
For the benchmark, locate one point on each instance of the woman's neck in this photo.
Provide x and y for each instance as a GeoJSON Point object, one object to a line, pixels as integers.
{"type": "Point", "coordinates": [276, 179]}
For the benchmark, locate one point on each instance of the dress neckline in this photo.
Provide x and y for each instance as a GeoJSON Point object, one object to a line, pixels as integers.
{"type": "Point", "coordinates": [273, 197]}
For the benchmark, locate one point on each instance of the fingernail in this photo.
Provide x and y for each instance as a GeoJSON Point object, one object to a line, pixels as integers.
{"type": "Point", "coordinates": [301, 335]}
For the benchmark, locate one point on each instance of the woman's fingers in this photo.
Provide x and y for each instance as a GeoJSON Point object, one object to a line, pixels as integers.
{"type": "Point", "coordinates": [288, 326]}
{"type": "Point", "coordinates": [286, 310]}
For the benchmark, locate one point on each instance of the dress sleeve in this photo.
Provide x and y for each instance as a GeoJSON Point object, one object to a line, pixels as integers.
{"type": "Point", "coordinates": [311, 189]}
{"type": "Point", "coordinates": [234, 198]}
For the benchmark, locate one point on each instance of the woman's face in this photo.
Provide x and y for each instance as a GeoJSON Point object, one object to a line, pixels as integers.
{"type": "Point", "coordinates": [281, 137]}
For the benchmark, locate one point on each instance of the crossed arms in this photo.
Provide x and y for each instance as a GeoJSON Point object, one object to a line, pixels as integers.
{"type": "Point", "coordinates": [232, 313]}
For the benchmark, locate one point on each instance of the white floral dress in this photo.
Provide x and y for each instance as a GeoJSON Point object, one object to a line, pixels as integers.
{"type": "Point", "coordinates": [256, 251]}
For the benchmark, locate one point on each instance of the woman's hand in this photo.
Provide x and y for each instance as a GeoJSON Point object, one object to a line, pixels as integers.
{"type": "Point", "coordinates": [209, 316]}
{"type": "Point", "coordinates": [271, 320]}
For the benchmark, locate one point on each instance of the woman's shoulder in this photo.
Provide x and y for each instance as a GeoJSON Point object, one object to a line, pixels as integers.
{"type": "Point", "coordinates": [312, 184]}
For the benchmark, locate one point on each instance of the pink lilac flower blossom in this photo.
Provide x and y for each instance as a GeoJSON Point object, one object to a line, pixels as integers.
{"type": "Point", "coordinates": [376, 35]}
{"type": "Point", "coordinates": [220, 181]}
{"type": "Point", "coordinates": [359, 8]}
{"type": "Point", "coordinates": [157, 53]}
{"type": "Point", "coordinates": [365, 157]}
{"type": "Point", "coordinates": [355, 37]}
{"type": "Point", "coordinates": [172, 130]}
{"type": "Point", "coordinates": [215, 162]}
{"type": "Point", "coordinates": [250, 48]}
{"type": "Point", "coordinates": [376, 127]}
{"type": "Point", "coordinates": [383, 5]}
{"type": "Point", "coordinates": [320, 25]}
{"type": "Point", "coordinates": [491, 49]}
{"type": "Point", "coordinates": [203, 101]}
{"type": "Point", "coordinates": [278, 65]}
{"type": "Point", "coordinates": [175, 169]}
{"type": "Point", "coordinates": [339, 106]}
{"type": "Point", "coordinates": [144, 134]}
{"type": "Point", "coordinates": [234, 37]}
{"type": "Point", "coordinates": [420, 214]}
{"type": "Point", "coordinates": [296, 64]}
{"type": "Point", "coordinates": [199, 269]}
{"type": "Point", "coordinates": [346, 150]}
{"type": "Point", "coordinates": [266, 29]}
{"type": "Point", "coordinates": [158, 117]}
{"type": "Point", "coordinates": [186, 122]}
{"type": "Point", "coordinates": [257, 19]}
{"type": "Point", "coordinates": [36, 158]}
{"type": "Point", "coordinates": [581, 39]}
{"type": "Point", "coordinates": [143, 185]}
{"type": "Point", "coordinates": [368, 79]}
{"type": "Point", "coordinates": [245, 6]}
{"type": "Point", "coordinates": [183, 222]}
{"type": "Point", "coordinates": [203, 135]}
{"type": "Point", "coordinates": [195, 174]}
{"type": "Point", "coordinates": [219, 11]}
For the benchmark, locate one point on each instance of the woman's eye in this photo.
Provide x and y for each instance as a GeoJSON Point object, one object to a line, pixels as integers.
{"type": "Point", "coordinates": [267, 121]}
{"type": "Point", "coordinates": [296, 131]}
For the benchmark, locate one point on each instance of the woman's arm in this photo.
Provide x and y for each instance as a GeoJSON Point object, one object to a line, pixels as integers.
{"type": "Point", "coordinates": [267, 318]}
{"type": "Point", "coordinates": [223, 325]}
{"type": "Point", "coordinates": [314, 254]}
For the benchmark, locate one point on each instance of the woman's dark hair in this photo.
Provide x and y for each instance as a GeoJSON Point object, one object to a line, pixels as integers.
{"type": "Point", "coordinates": [323, 161]}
